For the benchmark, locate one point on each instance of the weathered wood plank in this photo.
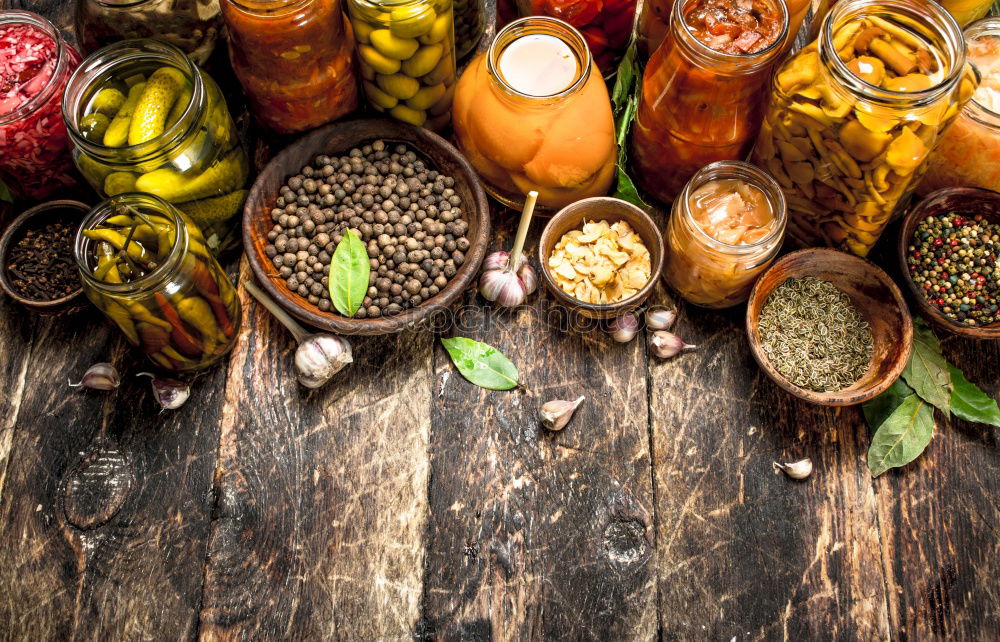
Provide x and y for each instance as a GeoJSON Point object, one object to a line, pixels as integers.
{"type": "Point", "coordinates": [744, 551]}
{"type": "Point", "coordinates": [536, 535]}
{"type": "Point", "coordinates": [15, 357]}
{"type": "Point", "coordinates": [939, 518]}
{"type": "Point", "coordinates": [321, 495]}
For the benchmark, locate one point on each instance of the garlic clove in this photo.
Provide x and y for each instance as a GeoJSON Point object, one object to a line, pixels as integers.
{"type": "Point", "coordinates": [529, 278]}
{"type": "Point", "coordinates": [100, 376]}
{"type": "Point", "coordinates": [502, 287]}
{"type": "Point", "coordinates": [796, 469]}
{"type": "Point", "coordinates": [624, 328]}
{"type": "Point", "coordinates": [169, 393]}
{"type": "Point", "coordinates": [660, 318]}
{"type": "Point", "coordinates": [666, 345]}
{"type": "Point", "coordinates": [319, 357]}
{"type": "Point", "coordinates": [555, 414]}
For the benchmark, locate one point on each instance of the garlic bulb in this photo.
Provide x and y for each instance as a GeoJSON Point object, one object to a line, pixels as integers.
{"type": "Point", "coordinates": [319, 357]}
{"type": "Point", "coordinates": [508, 279]}
{"type": "Point", "coordinates": [502, 286]}
{"type": "Point", "coordinates": [555, 414]}
{"type": "Point", "coordinates": [100, 376]}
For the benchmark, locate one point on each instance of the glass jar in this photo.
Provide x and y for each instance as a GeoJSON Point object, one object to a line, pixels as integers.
{"type": "Point", "coordinates": [969, 153]}
{"type": "Point", "coordinates": [964, 11]}
{"type": "Point", "coordinates": [709, 272]}
{"type": "Point", "coordinates": [192, 26]}
{"type": "Point", "coordinates": [146, 266]}
{"type": "Point", "coordinates": [35, 65]}
{"type": "Point", "coordinates": [847, 148]}
{"type": "Point", "coordinates": [606, 25]}
{"type": "Point", "coordinates": [406, 50]}
{"type": "Point", "coordinates": [294, 59]}
{"type": "Point", "coordinates": [144, 118]}
{"type": "Point", "coordinates": [470, 23]}
{"type": "Point", "coordinates": [699, 105]}
{"type": "Point", "coordinates": [560, 143]}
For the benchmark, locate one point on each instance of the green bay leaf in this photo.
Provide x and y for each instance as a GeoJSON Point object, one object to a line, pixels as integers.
{"type": "Point", "coordinates": [481, 363]}
{"type": "Point", "coordinates": [969, 402]}
{"type": "Point", "coordinates": [927, 371]}
{"type": "Point", "coordinates": [902, 436]}
{"type": "Point", "coordinates": [878, 409]}
{"type": "Point", "coordinates": [349, 272]}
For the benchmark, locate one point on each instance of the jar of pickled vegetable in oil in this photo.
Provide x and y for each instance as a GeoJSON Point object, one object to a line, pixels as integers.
{"type": "Point", "coordinates": [854, 116]}
{"type": "Point", "coordinates": [294, 59]}
{"type": "Point", "coordinates": [704, 89]}
{"type": "Point", "coordinates": [145, 118]}
{"type": "Point", "coordinates": [406, 52]}
{"type": "Point", "coordinates": [533, 113]}
{"type": "Point", "coordinates": [147, 267]}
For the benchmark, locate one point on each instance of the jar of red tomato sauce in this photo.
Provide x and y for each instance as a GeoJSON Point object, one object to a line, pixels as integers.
{"type": "Point", "coordinates": [35, 63]}
{"type": "Point", "coordinates": [606, 25]}
{"type": "Point", "coordinates": [704, 89]}
{"type": "Point", "coordinates": [295, 60]}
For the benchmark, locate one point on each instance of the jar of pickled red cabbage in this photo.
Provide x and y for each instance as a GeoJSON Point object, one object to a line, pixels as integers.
{"type": "Point", "coordinates": [406, 51]}
{"type": "Point", "coordinates": [704, 89]}
{"type": "Point", "coordinates": [854, 116]}
{"type": "Point", "coordinates": [969, 153]}
{"type": "Point", "coordinates": [35, 65]}
{"type": "Point", "coordinates": [726, 227]}
{"type": "Point", "coordinates": [606, 25]}
{"type": "Point", "coordinates": [294, 59]}
{"type": "Point", "coordinates": [533, 113]}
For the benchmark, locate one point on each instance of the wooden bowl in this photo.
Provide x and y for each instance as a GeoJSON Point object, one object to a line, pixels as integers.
{"type": "Point", "coordinates": [967, 201]}
{"type": "Point", "coordinates": [873, 293]}
{"type": "Point", "coordinates": [72, 212]}
{"type": "Point", "coordinates": [338, 139]}
{"type": "Point", "coordinates": [601, 208]}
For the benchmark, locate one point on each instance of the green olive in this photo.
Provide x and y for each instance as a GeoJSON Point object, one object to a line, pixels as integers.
{"type": "Point", "coordinates": [424, 61]}
{"type": "Point", "coordinates": [398, 85]}
{"type": "Point", "coordinates": [426, 97]}
{"type": "Point", "coordinates": [378, 97]}
{"type": "Point", "coordinates": [393, 46]}
{"type": "Point", "coordinates": [439, 30]}
{"type": "Point", "coordinates": [412, 21]}
{"type": "Point", "coordinates": [378, 62]}
{"type": "Point", "coordinates": [444, 72]}
{"type": "Point", "coordinates": [362, 31]}
{"type": "Point", "coordinates": [407, 115]}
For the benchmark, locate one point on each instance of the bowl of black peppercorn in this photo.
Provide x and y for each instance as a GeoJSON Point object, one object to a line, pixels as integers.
{"type": "Point", "coordinates": [36, 257]}
{"type": "Point", "coordinates": [948, 248]}
{"type": "Point", "coordinates": [412, 198]}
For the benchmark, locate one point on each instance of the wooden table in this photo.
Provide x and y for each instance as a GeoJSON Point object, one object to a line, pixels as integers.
{"type": "Point", "coordinates": [401, 502]}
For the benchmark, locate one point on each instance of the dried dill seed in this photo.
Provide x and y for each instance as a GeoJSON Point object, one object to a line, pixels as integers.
{"type": "Point", "coordinates": [814, 336]}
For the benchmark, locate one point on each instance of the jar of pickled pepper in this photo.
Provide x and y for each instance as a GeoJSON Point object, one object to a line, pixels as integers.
{"type": "Point", "coordinates": [606, 25]}
{"type": "Point", "coordinates": [704, 89]}
{"type": "Point", "coordinates": [854, 116]}
{"type": "Point", "coordinates": [144, 117]}
{"type": "Point", "coordinates": [964, 11]}
{"type": "Point", "coordinates": [294, 59]}
{"type": "Point", "coordinates": [193, 26]}
{"type": "Point", "coordinates": [146, 266]}
{"type": "Point", "coordinates": [406, 52]}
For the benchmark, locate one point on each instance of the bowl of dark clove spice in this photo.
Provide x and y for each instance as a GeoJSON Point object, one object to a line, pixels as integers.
{"type": "Point", "coordinates": [36, 257]}
{"type": "Point", "coordinates": [410, 198]}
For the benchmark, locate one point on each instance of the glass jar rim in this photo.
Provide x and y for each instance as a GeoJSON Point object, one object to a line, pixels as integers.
{"type": "Point", "coordinates": [764, 56]}
{"type": "Point", "coordinates": [377, 4]}
{"type": "Point", "coordinates": [573, 39]}
{"type": "Point", "coordinates": [36, 102]}
{"type": "Point", "coordinates": [122, 53]}
{"type": "Point", "coordinates": [988, 27]}
{"type": "Point", "coordinates": [256, 8]}
{"type": "Point", "coordinates": [108, 208]}
{"type": "Point", "coordinates": [741, 171]}
{"type": "Point", "coordinates": [947, 30]}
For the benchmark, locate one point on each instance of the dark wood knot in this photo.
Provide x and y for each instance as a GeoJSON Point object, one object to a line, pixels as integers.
{"type": "Point", "coordinates": [96, 489]}
{"type": "Point", "coordinates": [625, 541]}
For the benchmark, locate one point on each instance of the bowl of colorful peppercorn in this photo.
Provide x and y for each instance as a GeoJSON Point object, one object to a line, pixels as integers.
{"type": "Point", "coordinates": [413, 203]}
{"type": "Point", "coordinates": [948, 249]}
{"type": "Point", "coordinates": [36, 257]}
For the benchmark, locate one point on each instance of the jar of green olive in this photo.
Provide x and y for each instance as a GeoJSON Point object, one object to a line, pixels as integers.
{"type": "Point", "coordinates": [147, 267]}
{"type": "Point", "coordinates": [406, 51]}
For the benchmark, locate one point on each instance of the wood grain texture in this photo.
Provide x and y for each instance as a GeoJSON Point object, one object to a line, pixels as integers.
{"type": "Point", "coordinates": [537, 535]}
{"type": "Point", "coordinates": [322, 495]}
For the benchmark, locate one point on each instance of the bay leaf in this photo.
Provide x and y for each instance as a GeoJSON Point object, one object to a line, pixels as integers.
{"type": "Point", "coordinates": [902, 436]}
{"type": "Point", "coordinates": [349, 272]}
{"type": "Point", "coordinates": [878, 409]}
{"type": "Point", "coordinates": [969, 402]}
{"type": "Point", "coordinates": [481, 363]}
{"type": "Point", "coordinates": [927, 371]}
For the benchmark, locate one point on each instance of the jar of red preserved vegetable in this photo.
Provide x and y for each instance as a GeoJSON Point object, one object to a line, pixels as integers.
{"type": "Point", "coordinates": [704, 89]}
{"type": "Point", "coordinates": [294, 59]}
{"type": "Point", "coordinates": [35, 64]}
{"type": "Point", "coordinates": [606, 25]}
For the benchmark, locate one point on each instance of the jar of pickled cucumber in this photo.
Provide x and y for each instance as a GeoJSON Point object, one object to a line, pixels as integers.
{"type": "Point", "coordinates": [147, 267]}
{"type": "Point", "coordinates": [145, 118]}
{"type": "Point", "coordinates": [294, 59]}
{"type": "Point", "coordinates": [854, 116]}
{"type": "Point", "coordinates": [193, 26]}
{"type": "Point", "coordinates": [406, 51]}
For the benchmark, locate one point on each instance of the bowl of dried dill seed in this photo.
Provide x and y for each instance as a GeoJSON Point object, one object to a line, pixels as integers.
{"type": "Point", "coordinates": [829, 327]}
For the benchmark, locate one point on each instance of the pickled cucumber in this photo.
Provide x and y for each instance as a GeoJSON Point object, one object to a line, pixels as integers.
{"type": "Point", "coordinates": [214, 210]}
{"type": "Point", "coordinates": [158, 97]}
{"type": "Point", "coordinates": [93, 126]}
{"type": "Point", "coordinates": [412, 21]}
{"type": "Point", "coordinates": [226, 175]}
{"type": "Point", "coordinates": [378, 62]}
{"type": "Point", "coordinates": [393, 46]}
{"type": "Point", "coordinates": [107, 101]}
{"type": "Point", "coordinates": [424, 61]}
{"type": "Point", "coordinates": [398, 85]}
{"type": "Point", "coordinates": [439, 30]}
{"type": "Point", "coordinates": [426, 97]}
{"type": "Point", "coordinates": [117, 134]}
{"type": "Point", "coordinates": [409, 115]}
{"type": "Point", "coordinates": [180, 106]}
